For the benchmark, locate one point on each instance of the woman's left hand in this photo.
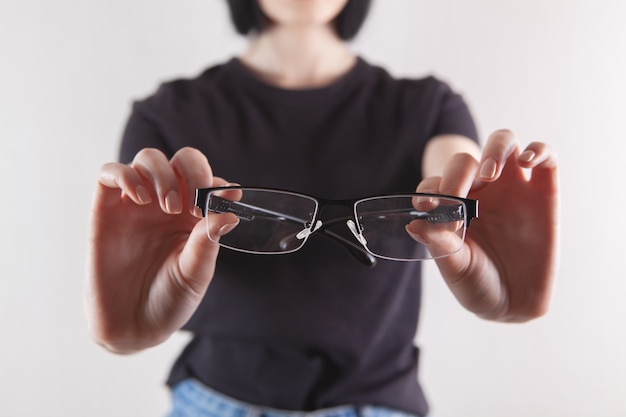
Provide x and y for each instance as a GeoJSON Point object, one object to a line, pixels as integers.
{"type": "Point", "coordinates": [507, 265]}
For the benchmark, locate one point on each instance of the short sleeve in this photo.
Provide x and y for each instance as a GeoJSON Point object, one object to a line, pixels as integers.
{"type": "Point", "coordinates": [150, 124]}
{"type": "Point", "coordinates": [454, 116]}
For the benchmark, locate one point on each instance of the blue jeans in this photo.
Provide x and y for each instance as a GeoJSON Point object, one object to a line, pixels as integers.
{"type": "Point", "coordinates": [192, 399]}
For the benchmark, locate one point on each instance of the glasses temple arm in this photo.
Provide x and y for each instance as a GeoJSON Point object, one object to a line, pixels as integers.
{"type": "Point", "coordinates": [441, 214]}
{"type": "Point", "coordinates": [357, 251]}
{"type": "Point", "coordinates": [243, 211]}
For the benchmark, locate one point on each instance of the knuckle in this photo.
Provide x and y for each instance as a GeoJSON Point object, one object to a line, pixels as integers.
{"type": "Point", "coordinates": [429, 185]}
{"type": "Point", "coordinates": [148, 155]}
{"type": "Point", "coordinates": [501, 140]}
{"type": "Point", "coordinates": [534, 311]}
{"type": "Point", "coordinates": [193, 165]}
{"type": "Point", "coordinates": [114, 171]}
{"type": "Point", "coordinates": [538, 146]}
{"type": "Point", "coordinates": [463, 158]}
{"type": "Point", "coordinates": [110, 167]}
{"type": "Point", "coordinates": [501, 144]}
{"type": "Point", "coordinates": [188, 150]}
{"type": "Point", "coordinates": [503, 133]}
{"type": "Point", "coordinates": [189, 154]}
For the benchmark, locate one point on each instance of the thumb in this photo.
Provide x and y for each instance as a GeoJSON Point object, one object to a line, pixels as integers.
{"type": "Point", "coordinates": [198, 257]}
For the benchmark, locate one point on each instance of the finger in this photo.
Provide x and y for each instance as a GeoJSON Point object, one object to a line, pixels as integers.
{"type": "Point", "coordinates": [121, 176]}
{"type": "Point", "coordinates": [500, 145]}
{"type": "Point", "coordinates": [459, 175]}
{"type": "Point", "coordinates": [193, 171]}
{"type": "Point", "coordinates": [197, 259]}
{"type": "Point", "coordinates": [153, 165]}
{"type": "Point", "coordinates": [429, 185]}
{"type": "Point", "coordinates": [538, 155]}
{"type": "Point", "coordinates": [217, 225]}
{"type": "Point", "coordinates": [193, 168]}
{"type": "Point", "coordinates": [543, 163]}
{"type": "Point", "coordinates": [221, 182]}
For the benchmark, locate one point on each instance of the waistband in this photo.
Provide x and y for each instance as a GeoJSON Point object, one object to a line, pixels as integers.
{"type": "Point", "coordinates": [191, 398]}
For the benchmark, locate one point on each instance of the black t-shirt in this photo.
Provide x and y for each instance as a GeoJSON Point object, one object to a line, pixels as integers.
{"type": "Point", "coordinates": [314, 328]}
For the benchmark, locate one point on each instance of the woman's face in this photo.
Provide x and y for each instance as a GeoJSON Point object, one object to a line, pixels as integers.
{"type": "Point", "coordinates": [301, 12]}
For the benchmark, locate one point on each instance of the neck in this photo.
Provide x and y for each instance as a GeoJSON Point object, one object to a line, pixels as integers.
{"type": "Point", "coordinates": [298, 57]}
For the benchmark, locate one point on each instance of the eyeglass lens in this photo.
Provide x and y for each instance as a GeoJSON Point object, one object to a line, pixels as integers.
{"type": "Point", "coordinates": [411, 227]}
{"type": "Point", "coordinates": [269, 221]}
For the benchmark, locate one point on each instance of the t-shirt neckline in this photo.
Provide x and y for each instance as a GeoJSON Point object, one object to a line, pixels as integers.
{"type": "Point", "coordinates": [250, 80]}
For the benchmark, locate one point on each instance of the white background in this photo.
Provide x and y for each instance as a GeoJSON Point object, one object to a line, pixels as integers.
{"type": "Point", "coordinates": [552, 70]}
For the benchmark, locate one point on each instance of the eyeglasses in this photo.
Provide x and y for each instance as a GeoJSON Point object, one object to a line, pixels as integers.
{"type": "Point", "coordinates": [401, 227]}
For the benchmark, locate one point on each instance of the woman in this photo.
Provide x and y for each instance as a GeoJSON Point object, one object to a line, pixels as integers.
{"type": "Point", "coordinates": [312, 330]}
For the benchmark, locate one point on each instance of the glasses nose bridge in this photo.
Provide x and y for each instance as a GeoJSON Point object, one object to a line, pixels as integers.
{"type": "Point", "coordinates": [330, 211]}
{"type": "Point", "coordinates": [338, 215]}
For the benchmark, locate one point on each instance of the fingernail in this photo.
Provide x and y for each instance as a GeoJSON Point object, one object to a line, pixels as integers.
{"type": "Point", "coordinates": [215, 235]}
{"type": "Point", "coordinates": [488, 169]}
{"type": "Point", "coordinates": [226, 228]}
{"type": "Point", "coordinates": [173, 203]}
{"type": "Point", "coordinates": [143, 195]}
{"type": "Point", "coordinates": [527, 156]}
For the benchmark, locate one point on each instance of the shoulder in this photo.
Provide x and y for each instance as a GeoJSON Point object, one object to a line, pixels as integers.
{"type": "Point", "coordinates": [425, 88]}
{"type": "Point", "coordinates": [182, 92]}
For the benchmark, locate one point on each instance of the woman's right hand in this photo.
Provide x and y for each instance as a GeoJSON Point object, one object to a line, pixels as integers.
{"type": "Point", "coordinates": [150, 260]}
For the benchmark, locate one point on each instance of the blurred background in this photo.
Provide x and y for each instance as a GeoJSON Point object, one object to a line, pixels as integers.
{"type": "Point", "coordinates": [551, 70]}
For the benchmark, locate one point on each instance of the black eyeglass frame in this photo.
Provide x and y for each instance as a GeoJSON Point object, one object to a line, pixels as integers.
{"type": "Point", "coordinates": [360, 252]}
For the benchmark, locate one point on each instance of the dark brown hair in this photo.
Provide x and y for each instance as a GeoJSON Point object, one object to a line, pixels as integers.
{"type": "Point", "coordinates": [248, 17]}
